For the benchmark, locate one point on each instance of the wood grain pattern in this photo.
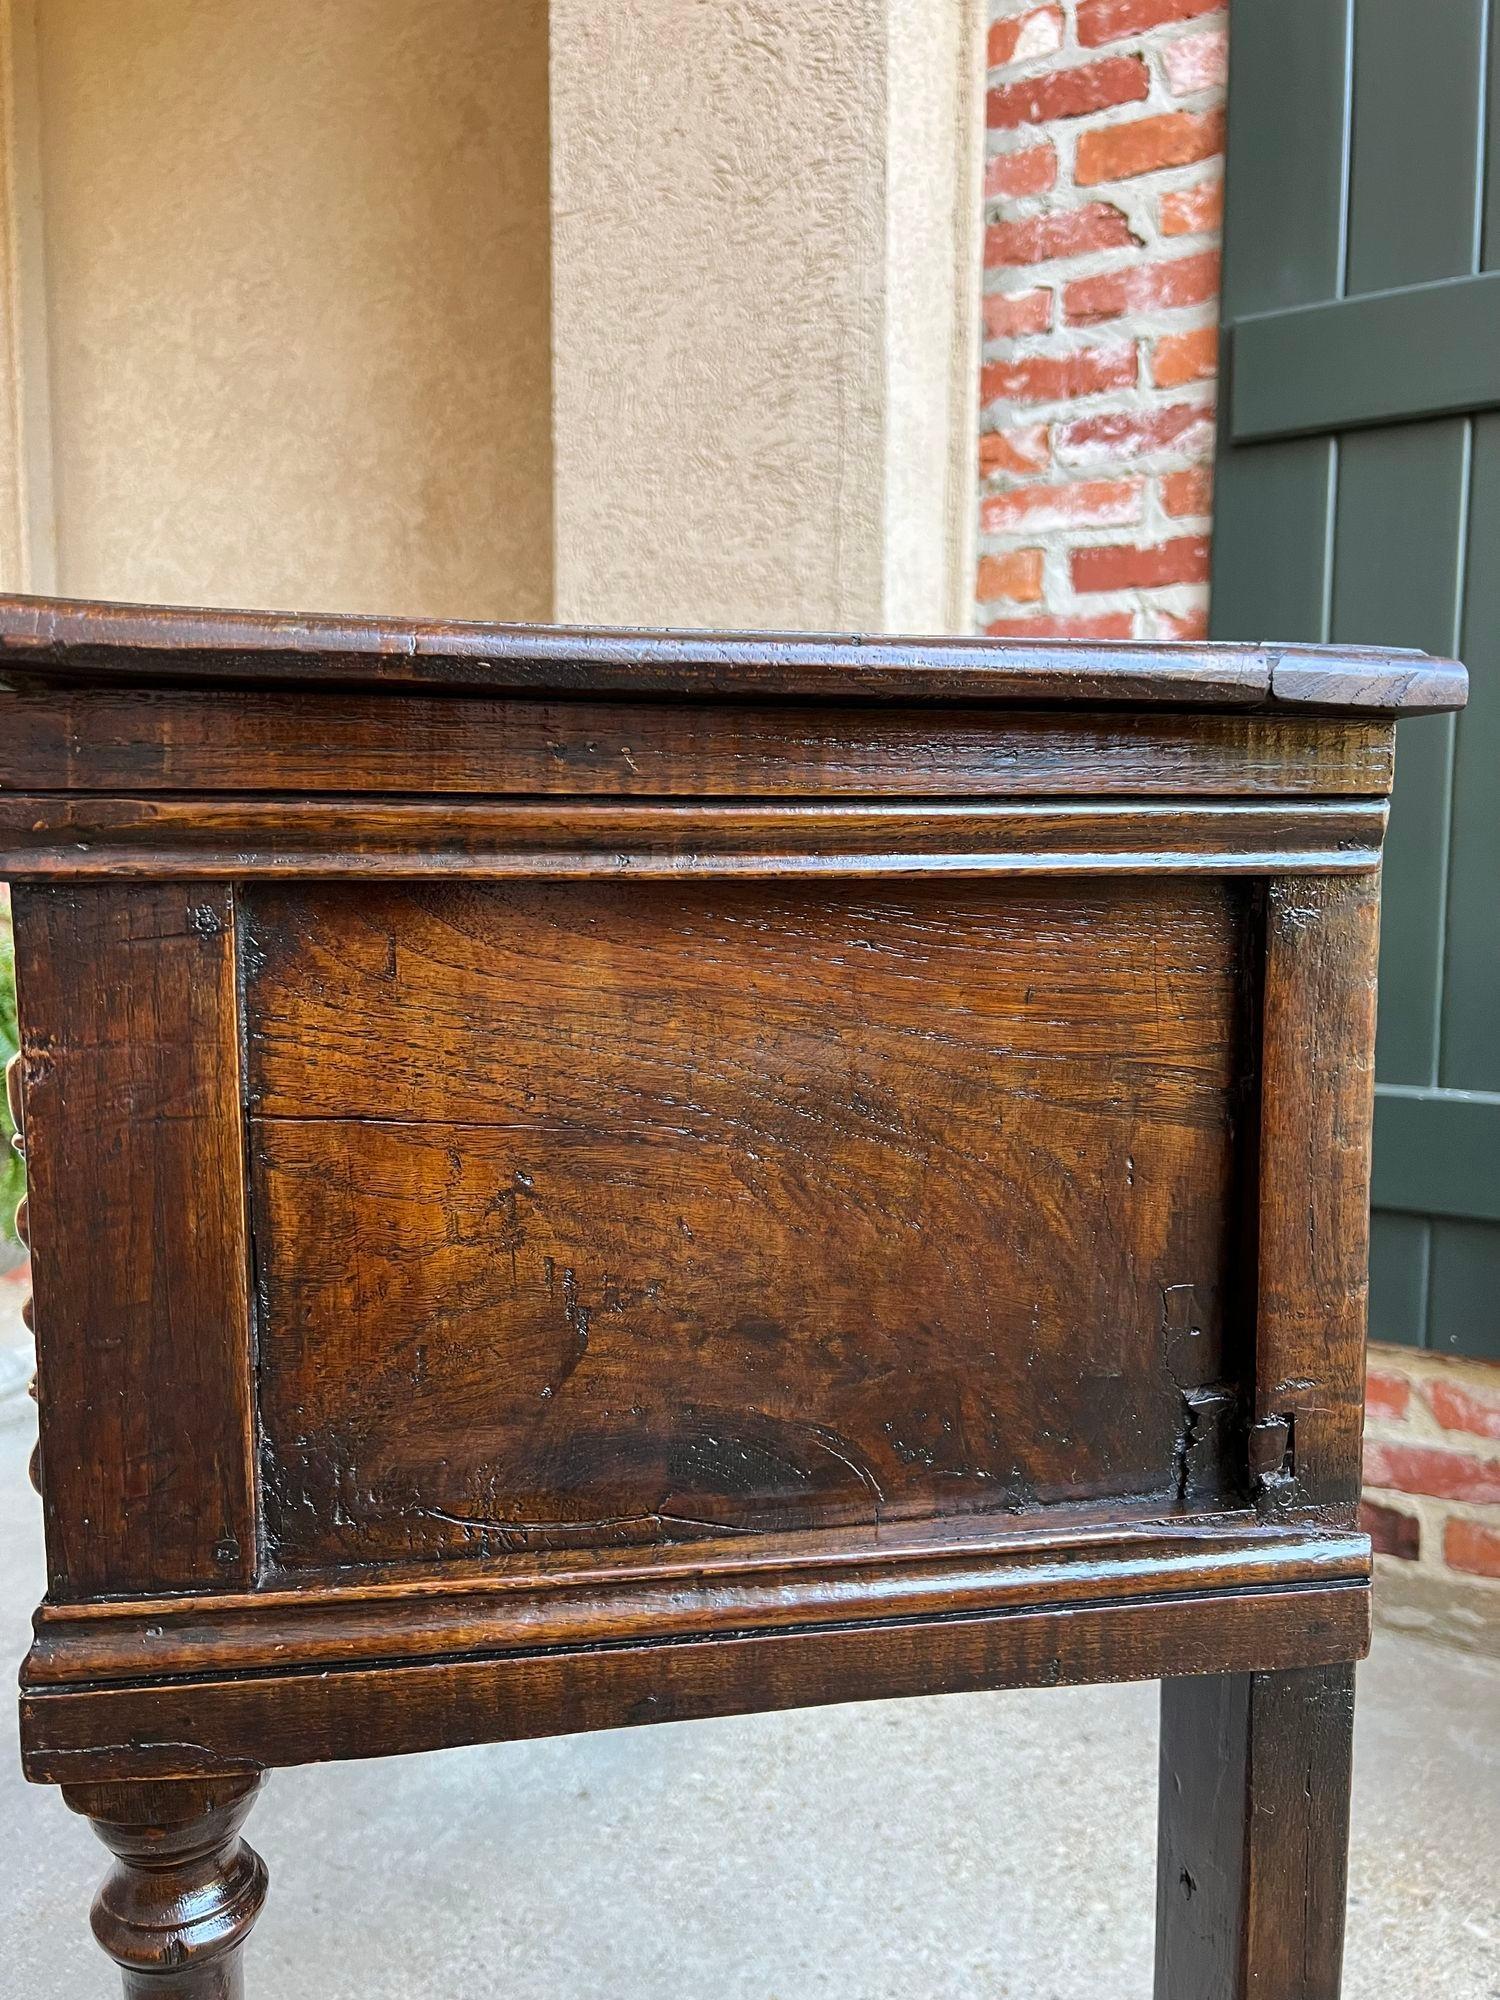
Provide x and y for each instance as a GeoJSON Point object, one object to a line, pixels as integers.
{"type": "Point", "coordinates": [243, 741]}
{"type": "Point", "coordinates": [587, 1215]}
{"type": "Point", "coordinates": [1254, 1833]}
{"type": "Point", "coordinates": [138, 1237]}
{"type": "Point", "coordinates": [49, 837]}
{"type": "Point", "coordinates": [923, 1569]}
{"type": "Point", "coordinates": [185, 1890]}
{"type": "Point", "coordinates": [1317, 1108]}
{"type": "Point", "coordinates": [782, 1170]}
{"type": "Point", "coordinates": [44, 636]}
{"type": "Point", "coordinates": [183, 1728]}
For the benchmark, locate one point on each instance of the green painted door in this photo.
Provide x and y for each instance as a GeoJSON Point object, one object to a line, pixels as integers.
{"type": "Point", "coordinates": [1358, 498]}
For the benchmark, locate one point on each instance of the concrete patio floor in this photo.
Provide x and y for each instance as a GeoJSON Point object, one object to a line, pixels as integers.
{"type": "Point", "coordinates": [985, 1845]}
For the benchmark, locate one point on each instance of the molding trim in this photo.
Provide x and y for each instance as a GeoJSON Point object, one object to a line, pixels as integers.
{"type": "Point", "coordinates": [229, 1724]}
{"type": "Point", "coordinates": [650, 1593]}
{"type": "Point", "coordinates": [69, 836]}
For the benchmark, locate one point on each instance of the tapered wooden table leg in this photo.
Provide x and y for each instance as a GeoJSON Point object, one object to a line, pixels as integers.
{"type": "Point", "coordinates": [1253, 1844]}
{"type": "Point", "coordinates": [179, 1902]}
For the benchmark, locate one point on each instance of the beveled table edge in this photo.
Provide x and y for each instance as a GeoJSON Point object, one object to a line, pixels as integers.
{"type": "Point", "coordinates": [73, 638]}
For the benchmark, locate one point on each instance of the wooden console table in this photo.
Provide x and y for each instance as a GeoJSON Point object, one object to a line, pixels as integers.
{"type": "Point", "coordinates": [580, 1179]}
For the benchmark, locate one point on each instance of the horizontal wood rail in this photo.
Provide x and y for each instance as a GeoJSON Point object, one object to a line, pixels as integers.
{"type": "Point", "coordinates": [526, 1601]}
{"type": "Point", "coordinates": [224, 1724]}
{"type": "Point", "coordinates": [1437, 1152]}
{"type": "Point", "coordinates": [80, 835]}
{"type": "Point", "coordinates": [1345, 363]}
{"type": "Point", "coordinates": [247, 741]}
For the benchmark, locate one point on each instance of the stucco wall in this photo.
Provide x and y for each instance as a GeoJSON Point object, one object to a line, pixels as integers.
{"type": "Point", "coordinates": [761, 228]}
{"type": "Point", "coordinates": [660, 312]}
{"type": "Point", "coordinates": [297, 301]}
{"type": "Point", "coordinates": [719, 268]}
{"type": "Point", "coordinates": [13, 503]}
{"type": "Point", "coordinates": [26, 515]}
{"type": "Point", "coordinates": [934, 123]}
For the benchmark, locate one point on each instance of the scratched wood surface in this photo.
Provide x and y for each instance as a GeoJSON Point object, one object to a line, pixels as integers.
{"type": "Point", "coordinates": [1317, 1111]}
{"type": "Point", "coordinates": [129, 1054]}
{"type": "Point", "coordinates": [773, 1169]}
{"type": "Point", "coordinates": [236, 1722]}
{"type": "Point", "coordinates": [130, 643]}
{"type": "Point", "coordinates": [249, 740]}
{"type": "Point", "coordinates": [591, 1214]}
{"type": "Point", "coordinates": [1101, 1553]}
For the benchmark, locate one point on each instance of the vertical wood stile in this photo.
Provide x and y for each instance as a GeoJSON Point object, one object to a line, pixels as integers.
{"type": "Point", "coordinates": [1317, 1084]}
{"type": "Point", "coordinates": [130, 1052]}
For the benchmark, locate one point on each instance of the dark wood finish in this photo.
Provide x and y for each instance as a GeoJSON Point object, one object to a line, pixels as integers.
{"type": "Point", "coordinates": [136, 642]}
{"type": "Point", "coordinates": [1253, 1843]}
{"type": "Point", "coordinates": [232, 1724]}
{"type": "Point", "coordinates": [1317, 1104]}
{"type": "Point", "coordinates": [44, 837]}
{"type": "Point", "coordinates": [179, 1902]}
{"type": "Point", "coordinates": [581, 1179]}
{"type": "Point", "coordinates": [1104, 1558]}
{"type": "Point", "coordinates": [780, 1289]}
{"type": "Point", "coordinates": [245, 742]}
{"type": "Point", "coordinates": [139, 1245]}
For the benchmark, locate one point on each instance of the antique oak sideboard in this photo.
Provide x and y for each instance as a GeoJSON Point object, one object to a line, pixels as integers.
{"type": "Point", "coordinates": [585, 1178]}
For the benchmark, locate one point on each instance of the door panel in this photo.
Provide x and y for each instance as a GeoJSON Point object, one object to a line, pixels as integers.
{"type": "Point", "coordinates": [1470, 1048]}
{"type": "Point", "coordinates": [1364, 158]}
{"type": "Point", "coordinates": [1396, 540]}
{"type": "Point", "coordinates": [1417, 104]}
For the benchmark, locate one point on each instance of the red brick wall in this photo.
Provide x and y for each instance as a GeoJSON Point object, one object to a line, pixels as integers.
{"type": "Point", "coordinates": [1102, 206]}
{"type": "Point", "coordinates": [1432, 1460]}
{"type": "Point", "coordinates": [1101, 292]}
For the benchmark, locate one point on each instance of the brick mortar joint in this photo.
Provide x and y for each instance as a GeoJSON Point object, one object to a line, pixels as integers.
{"type": "Point", "coordinates": [1432, 1519]}
{"type": "Point", "coordinates": [1060, 465]}
{"type": "Point", "coordinates": [1385, 1358]}
{"type": "Point", "coordinates": [1427, 1429]}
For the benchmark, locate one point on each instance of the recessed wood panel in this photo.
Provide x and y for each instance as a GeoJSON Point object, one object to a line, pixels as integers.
{"type": "Point", "coordinates": [589, 1214]}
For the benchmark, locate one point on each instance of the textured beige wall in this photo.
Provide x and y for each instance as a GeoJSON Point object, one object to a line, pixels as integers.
{"type": "Point", "coordinates": [297, 299]}
{"type": "Point", "coordinates": [14, 511]}
{"type": "Point", "coordinates": [761, 241]}
{"type": "Point", "coordinates": [718, 265]}
{"type": "Point", "coordinates": [26, 525]}
{"type": "Point", "coordinates": [311, 291]}
{"type": "Point", "coordinates": [934, 138]}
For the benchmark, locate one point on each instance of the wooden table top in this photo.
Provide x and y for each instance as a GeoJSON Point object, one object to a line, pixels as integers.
{"type": "Point", "coordinates": [119, 643]}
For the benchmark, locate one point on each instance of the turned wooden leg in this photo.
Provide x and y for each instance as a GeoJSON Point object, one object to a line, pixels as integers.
{"type": "Point", "coordinates": [1253, 1844]}
{"type": "Point", "coordinates": [179, 1902]}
